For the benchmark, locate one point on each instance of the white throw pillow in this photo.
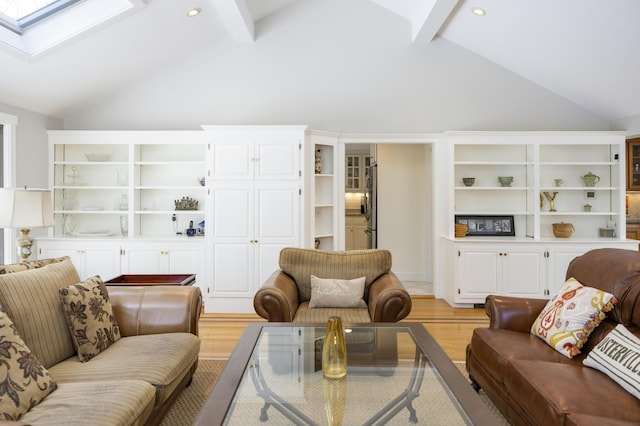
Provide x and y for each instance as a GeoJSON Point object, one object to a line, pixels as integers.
{"type": "Point", "coordinates": [618, 356]}
{"type": "Point", "coordinates": [571, 315]}
{"type": "Point", "coordinates": [334, 293]}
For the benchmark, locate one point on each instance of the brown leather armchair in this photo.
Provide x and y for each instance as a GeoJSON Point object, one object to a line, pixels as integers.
{"type": "Point", "coordinates": [285, 296]}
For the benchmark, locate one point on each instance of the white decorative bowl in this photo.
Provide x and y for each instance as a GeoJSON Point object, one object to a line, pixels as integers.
{"type": "Point", "coordinates": [98, 157]}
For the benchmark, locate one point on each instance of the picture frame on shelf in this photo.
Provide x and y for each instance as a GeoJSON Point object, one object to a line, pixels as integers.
{"type": "Point", "coordinates": [488, 226]}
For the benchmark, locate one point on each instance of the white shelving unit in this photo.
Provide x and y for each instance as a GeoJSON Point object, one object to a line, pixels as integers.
{"type": "Point", "coordinates": [533, 262]}
{"type": "Point", "coordinates": [324, 191]}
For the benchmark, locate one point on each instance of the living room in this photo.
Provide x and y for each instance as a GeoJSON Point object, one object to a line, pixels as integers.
{"type": "Point", "coordinates": [373, 71]}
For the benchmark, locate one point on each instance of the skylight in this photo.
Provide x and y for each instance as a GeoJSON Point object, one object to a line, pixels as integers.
{"type": "Point", "coordinates": [19, 15]}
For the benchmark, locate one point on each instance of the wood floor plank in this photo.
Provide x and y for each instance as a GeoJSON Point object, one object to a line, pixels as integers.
{"type": "Point", "coordinates": [451, 327]}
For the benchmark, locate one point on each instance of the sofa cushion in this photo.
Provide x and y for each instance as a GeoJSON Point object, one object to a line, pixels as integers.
{"type": "Point", "coordinates": [107, 403]}
{"type": "Point", "coordinates": [24, 382]}
{"type": "Point", "coordinates": [32, 264]}
{"type": "Point", "coordinates": [300, 264]}
{"type": "Point", "coordinates": [31, 300]}
{"type": "Point", "coordinates": [571, 315]}
{"type": "Point", "coordinates": [159, 359]}
{"type": "Point", "coordinates": [336, 293]}
{"type": "Point", "coordinates": [546, 392]}
{"type": "Point", "coordinates": [89, 315]}
{"type": "Point", "coordinates": [320, 315]}
{"type": "Point", "coordinates": [618, 356]}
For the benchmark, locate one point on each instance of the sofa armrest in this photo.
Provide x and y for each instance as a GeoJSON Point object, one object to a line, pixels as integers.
{"type": "Point", "coordinates": [156, 309]}
{"type": "Point", "coordinates": [277, 299]}
{"type": "Point", "coordinates": [389, 300]}
{"type": "Point", "coordinates": [513, 313]}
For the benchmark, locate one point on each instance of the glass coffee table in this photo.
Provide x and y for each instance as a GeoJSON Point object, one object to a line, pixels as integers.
{"type": "Point", "coordinates": [396, 374]}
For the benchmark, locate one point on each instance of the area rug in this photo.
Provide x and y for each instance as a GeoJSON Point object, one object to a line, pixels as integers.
{"type": "Point", "coordinates": [188, 404]}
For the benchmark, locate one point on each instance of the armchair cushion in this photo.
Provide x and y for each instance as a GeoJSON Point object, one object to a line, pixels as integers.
{"type": "Point", "coordinates": [335, 293]}
{"type": "Point", "coordinates": [300, 264]}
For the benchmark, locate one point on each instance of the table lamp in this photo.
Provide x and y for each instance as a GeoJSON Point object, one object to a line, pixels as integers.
{"type": "Point", "coordinates": [24, 209]}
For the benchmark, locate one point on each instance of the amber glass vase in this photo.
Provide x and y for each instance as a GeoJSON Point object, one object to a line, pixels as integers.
{"type": "Point", "coordinates": [334, 392]}
{"type": "Point", "coordinates": [334, 351]}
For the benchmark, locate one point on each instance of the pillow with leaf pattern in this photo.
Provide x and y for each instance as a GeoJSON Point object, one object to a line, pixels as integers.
{"type": "Point", "coordinates": [89, 315]}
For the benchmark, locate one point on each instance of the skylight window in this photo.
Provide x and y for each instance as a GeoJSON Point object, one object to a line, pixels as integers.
{"type": "Point", "coordinates": [19, 15]}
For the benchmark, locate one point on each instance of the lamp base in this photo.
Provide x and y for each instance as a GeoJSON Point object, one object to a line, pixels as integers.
{"type": "Point", "coordinates": [24, 243]}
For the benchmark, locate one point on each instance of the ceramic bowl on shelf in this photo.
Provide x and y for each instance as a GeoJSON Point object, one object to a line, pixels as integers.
{"type": "Point", "coordinates": [505, 180]}
{"type": "Point", "coordinates": [97, 156]}
{"type": "Point", "coordinates": [468, 181]}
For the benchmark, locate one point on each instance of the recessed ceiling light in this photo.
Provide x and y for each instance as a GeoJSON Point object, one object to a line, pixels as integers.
{"type": "Point", "coordinates": [194, 12]}
{"type": "Point", "coordinates": [478, 11]}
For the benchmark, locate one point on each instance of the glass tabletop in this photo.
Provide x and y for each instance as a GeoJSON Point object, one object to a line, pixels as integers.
{"type": "Point", "coordinates": [390, 380]}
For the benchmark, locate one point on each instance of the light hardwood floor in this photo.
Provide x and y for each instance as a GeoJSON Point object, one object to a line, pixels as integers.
{"type": "Point", "coordinates": [450, 327]}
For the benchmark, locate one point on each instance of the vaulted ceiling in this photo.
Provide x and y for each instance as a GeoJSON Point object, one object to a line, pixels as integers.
{"type": "Point", "coordinates": [587, 51]}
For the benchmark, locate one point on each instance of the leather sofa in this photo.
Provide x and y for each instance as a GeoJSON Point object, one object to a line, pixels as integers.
{"type": "Point", "coordinates": [136, 379]}
{"type": "Point", "coordinates": [530, 382]}
{"type": "Point", "coordinates": [285, 296]}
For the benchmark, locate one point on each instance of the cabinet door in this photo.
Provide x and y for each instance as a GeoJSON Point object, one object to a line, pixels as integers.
{"type": "Point", "coordinates": [559, 260]}
{"type": "Point", "coordinates": [232, 160]}
{"type": "Point", "coordinates": [478, 274]}
{"type": "Point", "coordinates": [633, 164]}
{"type": "Point", "coordinates": [144, 260]}
{"type": "Point", "coordinates": [350, 238]}
{"type": "Point", "coordinates": [523, 273]}
{"type": "Point", "coordinates": [89, 257]}
{"type": "Point", "coordinates": [277, 160]}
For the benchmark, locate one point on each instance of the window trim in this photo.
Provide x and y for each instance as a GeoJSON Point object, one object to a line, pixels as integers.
{"type": "Point", "coordinates": [19, 26]}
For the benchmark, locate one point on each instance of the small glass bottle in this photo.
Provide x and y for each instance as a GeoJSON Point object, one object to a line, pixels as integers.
{"type": "Point", "coordinates": [334, 351]}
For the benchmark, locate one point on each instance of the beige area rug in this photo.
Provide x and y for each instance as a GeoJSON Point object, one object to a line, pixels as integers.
{"type": "Point", "coordinates": [187, 406]}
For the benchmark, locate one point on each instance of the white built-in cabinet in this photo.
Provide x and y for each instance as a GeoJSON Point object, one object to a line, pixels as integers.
{"type": "Point", "coordinates": [256, 197]}
{"type": "Point", "coordinates": [355, 233]}
{"type": "Point", "coordinates": [533, 262]}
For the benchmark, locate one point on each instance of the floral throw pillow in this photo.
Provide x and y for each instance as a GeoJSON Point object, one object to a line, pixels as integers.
{"type": "Point", "coordinates": [89, 315]}
{"type": "Point", "coordinates": [571, 315]}
{"type": "Point", "coordinates": [24, 382]}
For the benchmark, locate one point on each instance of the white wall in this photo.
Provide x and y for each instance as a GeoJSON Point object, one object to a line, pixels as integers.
{"type": "Point", "coordinates": [404, 213]}
{"type": "Point", "coordinates": [353, 71]}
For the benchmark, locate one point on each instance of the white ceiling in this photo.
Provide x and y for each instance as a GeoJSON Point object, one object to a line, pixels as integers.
{"type": "Point", "coordinates": [587, 51]}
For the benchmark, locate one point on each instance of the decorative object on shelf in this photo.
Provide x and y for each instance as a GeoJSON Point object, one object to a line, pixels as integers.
{"type": "Point", "coordinates": [563, 230]}
{"type": "Point", "coordinates": [334, 351]}
{"type": "Point", "coordinates": [590, 179]}
{"type": "Point", "coordinates": [124, 225]}
{"type": "Point", "coordinates": [461, 230]}
{"type": "Point", "coordinates": [586, 207]}
{"type": "Point", "coordinates": [190, 231]}
{"type": "Point", "coordinates": [200, 230]}
{"type": "Point", "coordinates": [505, 180]}
{"type": "Point", "coordinates": [202, 181]}
{"type": "Point", "coordinates": [69, 224]}
{"type": "Point", "coordinates": [316, 243]}
{"type": "Point", "coordinates": [123, 204]}
{"type": "Point", "coordinates": [23, 209]}
{"type": "Point", "coordinates": [73, 176]}
{"type": "Point", "coordinates": [186, 203]}
{"type": "Point", "coordinates": [99, 157]}
{"type": "Point", "coordinates": [468, 181]}
{"type": "Point", "coordinates": [607, 232]}
{"type": "Point", "coordinates": [318, 161]}
{"type": "Point", "coordinates": [552, 199]}
{"type": "Point", "coordinates": [493, 226]}
{"type": "Point", "coordinates": [541, 201]}
{"type": "Point", "coordinates": [558, 182]}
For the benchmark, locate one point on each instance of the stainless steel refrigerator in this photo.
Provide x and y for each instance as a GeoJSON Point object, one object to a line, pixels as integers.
{"type": "Point", "coordinates": [371, 206]}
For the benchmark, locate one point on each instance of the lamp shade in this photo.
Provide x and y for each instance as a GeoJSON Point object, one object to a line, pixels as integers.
{"type": "Point", "coordinates": [25, 208]}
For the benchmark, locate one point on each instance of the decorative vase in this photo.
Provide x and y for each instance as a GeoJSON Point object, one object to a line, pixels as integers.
{"type": "Point", "coordinates": [318, 165]}
{"type": "Point", "coordinates": [334, 351]}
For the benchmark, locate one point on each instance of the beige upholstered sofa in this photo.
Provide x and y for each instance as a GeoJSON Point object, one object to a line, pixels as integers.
{"type": "Point", "coordinates": [131, 382]}
{"type": "Point", "coordinates": [287, 294]}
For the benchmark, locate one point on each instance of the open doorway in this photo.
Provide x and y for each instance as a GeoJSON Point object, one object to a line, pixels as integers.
{"type": "Point", "coordinates": [404, 213]}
